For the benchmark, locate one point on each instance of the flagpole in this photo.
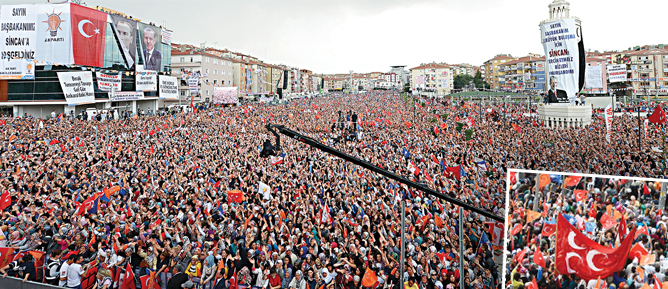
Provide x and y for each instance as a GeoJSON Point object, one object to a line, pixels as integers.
{"type": "Point", "coordinates": [461, 248]}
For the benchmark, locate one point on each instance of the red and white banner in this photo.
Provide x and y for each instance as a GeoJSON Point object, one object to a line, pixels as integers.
{"type": "Point", "coordinates": [89, 28]}
{"type": "Point", "coordinates": [579, 255]}
{"type": "Point", "coordinates": [646, 125]}
{"type": "Point", "coordinates": [608, 122]}
{"type": "Point", "coordinates": [106, 81]}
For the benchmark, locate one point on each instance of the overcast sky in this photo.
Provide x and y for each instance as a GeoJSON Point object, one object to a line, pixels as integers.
{"type": "Point", "coordinates": [328, 36]}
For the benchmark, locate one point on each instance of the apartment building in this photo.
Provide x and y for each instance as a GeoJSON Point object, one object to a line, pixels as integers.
{"type": "Point", "coordinates": [523, 74]}
{"type": "Point", "coordinates": [492, 74]}
{"type": "Point", "coordinates": [432, 77]}
{"type": "Point", "coordinates": [212, 71]}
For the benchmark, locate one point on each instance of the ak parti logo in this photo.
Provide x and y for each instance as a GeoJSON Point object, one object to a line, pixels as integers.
{"type": "Point", "coordinates": [53, 21]}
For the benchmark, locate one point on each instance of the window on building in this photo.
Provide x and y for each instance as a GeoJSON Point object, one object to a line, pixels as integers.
{"type": "Point", "coordinates": [183, 93]}
{"type": "Point", "coordinates": [215, 72]}
{"type": "Point", "coordinates": [215, 82]}
{"type": "Point", "coordinates": [215, 61]}
{"type": "Point", "coordinates": [182, 59]}
{"type": "Point", "coordinates": [207, 92]}
{"type": "Point", "coordinates": [230, 72]}
{"type": "Point", "coordinates": [222, 72]}
{"type": "Point", "coordinates": [191, 59]}
{"type": "Point", "coordinates": [207, 71]}
{"type": "Point", "coordinates": [207, 59]}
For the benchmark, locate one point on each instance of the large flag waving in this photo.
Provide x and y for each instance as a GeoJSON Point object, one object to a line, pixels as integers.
{"type": "Point", "coordinates": [577, 254]}
{"type": "Point", "coordinates": [89, 28]}
{"type": "Point", "coordinates": [658, 116]}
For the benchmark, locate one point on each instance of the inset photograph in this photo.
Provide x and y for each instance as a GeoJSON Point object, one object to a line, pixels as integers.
{"type": "Point", "coordinates": [585, 231]}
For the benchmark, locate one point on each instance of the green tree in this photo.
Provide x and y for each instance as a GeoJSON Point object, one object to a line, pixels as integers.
{"type": "Point", "coordinates": [407, 87]}
{"type": "Point", "coordinates": [479, 82]}
{"type": "Point", "coordinates": [462, 80]}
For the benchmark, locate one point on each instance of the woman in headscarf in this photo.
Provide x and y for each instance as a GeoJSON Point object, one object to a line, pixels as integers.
{"type": "Point", "coordinates": [208, 271]}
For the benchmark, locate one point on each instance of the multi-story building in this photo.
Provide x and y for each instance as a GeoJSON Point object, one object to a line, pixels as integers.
{"type": "Point", "coordinates": [649, 70]}
{"type": "Point", "coordinates": [432, 77]}
{"type": "Point", "coordinates": [493, 74]}
{"type": "Point", "coordinates": [20, 97]}
{"type": "Point", "coordinates": [599, 60]}
{"type": "Point", "coordinates": [401, 73]}
{"type": "Point", "coordinates": [523, 74]}
{"type": "Point", "coordinates": [212, 71]}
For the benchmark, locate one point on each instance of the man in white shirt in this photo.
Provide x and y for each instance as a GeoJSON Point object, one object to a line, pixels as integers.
{"type": "Point", "coordinates": [63, 271]}
{"type": "Point", "coordinates": [74, 273]}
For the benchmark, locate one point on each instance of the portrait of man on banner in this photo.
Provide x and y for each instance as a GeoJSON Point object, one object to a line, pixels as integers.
{"type": "Point", "coordinates": [556, 95]}
{"type": "Point", "coordinates": [151, 55]}
{"type": "Point", "coordinates": [126, 31]}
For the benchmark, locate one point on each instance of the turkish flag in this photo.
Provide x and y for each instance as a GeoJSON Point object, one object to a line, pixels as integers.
{"type": "Point", "coordinates": [520, 256]}
{"type": "Point", "coordinates": [549, 230]}
{"type": "Point", "coordinates": [235, 196]}
{"type": "Point", "coordinates": [89, 30]}
{"type": "Point", "coordinates": [621, 231]}
{"type": "Point", "coordinates": [128, 278]}
{"type": "Point", "coordinates": [607, 222]}
{"type": "Point", "coordinates": [538, 258]}
{"type": "Point", "coordinates": [580, 195]}
{"type": "Point", "coordinates": [454, 172]}
{"type": "Point", "coordinates": [233, 281]}
{"type": "Point", "coordinates": [513, 178]}
{"type": "Point", "coordinates": [637, 251]}
{"type": "Point", "coordinates": [577, 254]}
{"type": "Point", "coordinates": [593, 211]}
{"type": "Point", "coordinates": [149, 281]}
{"type": "Point", "coordinates": [517, 128]}
{"type": "Point", "coordinates": [645, 190]}
{"type": "Point", "coordinates": [641, 231]}
{"type": "Point", "coordinates": [5, 201]}
{"type": "Point", "coordinates": [516, 229]}
{"type": "Point", "coordinates": [572, 181]}
{"type": "Point", "coordinates": [658, 116]}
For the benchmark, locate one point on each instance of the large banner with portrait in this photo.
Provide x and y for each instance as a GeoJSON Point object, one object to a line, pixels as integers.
{"type": "Point", "coordinates": [126, 32]}
{"type": "Point", "coordinates": [564, 52]}
{"type": "Point", "coordinates": [225, 95]}
{"type": "Point", "coordinates": [150, 37]}
{"type": "Point", "coordinates": [77, 87]}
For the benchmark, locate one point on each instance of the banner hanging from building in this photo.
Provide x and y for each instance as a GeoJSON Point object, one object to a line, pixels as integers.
{"type": "Point", "coordinates": [54, 34]}
{"type": "Point", "coordinates": [77, 87]}
{"type": "Point", "coordinates": [225, 95]}
{"type": "Point", "coordinates": [18, 31]}
{"type": "Point", "coordinates": [106, 81]}
{"type": "Point", "coordinates": [169, 87]}
{"type": "Point", "coordinates": [89, 30]}
{"type": "Point", "coordinates": [608, 122]}
{"type": "Point", "coordinates": [126, 31]}
{"type": "Point", "coordinates": [17, 69]}
{"type": "Point", "coordinates": [166, 36]}
{"type": "Point", "coordinates": [146, 81]}
{"type": "Point", "coordinates": [617, 73]}
{"type": "Point", "coordinates": [149, 37]}
{"type": "Point", "coordinates": [564, 52]}
{"type": "Point", "coordinates": [126, 95]}
{"type": "Point", "coordinates": [193, 84]}
{"type": "Point", "coordinates": [594, 77]}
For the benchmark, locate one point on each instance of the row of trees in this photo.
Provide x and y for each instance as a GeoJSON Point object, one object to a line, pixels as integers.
{"type": "Point", "coordinates": [463, 80]}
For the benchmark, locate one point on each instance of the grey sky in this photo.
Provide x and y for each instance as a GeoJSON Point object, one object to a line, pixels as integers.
{"type": "Point", "coordinates": [370, 35]}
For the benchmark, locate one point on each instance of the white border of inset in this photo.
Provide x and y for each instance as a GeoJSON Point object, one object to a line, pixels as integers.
{"type": "Point", "coordinates": [505, 229]}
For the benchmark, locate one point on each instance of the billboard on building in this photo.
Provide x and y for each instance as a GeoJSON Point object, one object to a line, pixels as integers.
{"type": "Point", "coordinates": [66, 33]}
{"type": "Point", "coordinates": [594, 77]}
{"type": "Point", "coordinates": [126, 32]}
{"type": "Point", "coordinates": [106, 81]}
{"type": "Point", "coordinates": [54, 33]}
{"type": "Point", "coordinates": [617, 73]}
{"type": "Point", "coordinates": [193, 84]}
{"type": "Point", "coordinates": [126, 95]}
{"type": "Point", "coordinates": [225, 95]}
{"type": "Point", "coordinates": [77, 87]}
{"type": "Point", "coordinates": [169, 88]}
{"type": "Point", "coordinates": [18, 31]}
{"type": "Point", "coordinates": [166, 36]}
{"type": "Point", "coordinates": [146, 81]}
{"type": "Point", "coordinates": [17, 69]}
{"type": "Point", "coordinates": [565, 58]}
{"type": "Point", "coordinates": [150, 36]}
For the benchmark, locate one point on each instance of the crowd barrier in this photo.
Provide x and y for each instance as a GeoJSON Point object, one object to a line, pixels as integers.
{"type": "Point", "coordinates": [16, 283]}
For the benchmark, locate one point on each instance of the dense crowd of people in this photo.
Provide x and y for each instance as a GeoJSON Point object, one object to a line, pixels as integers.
{"type": "Point", "coordinates": [606, 211]}
{"type": "Point", "coordinates": [186, 199]}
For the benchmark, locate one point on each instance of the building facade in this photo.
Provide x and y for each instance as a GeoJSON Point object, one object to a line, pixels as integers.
{"type": "Point", "coordinates": [211, 70]}
{"type": "Point", "coordinates": [432, 77]}
{"type": "Point", "coordinates": [526, 74]}
{"type": "Point", "coordinates": [492, 73]}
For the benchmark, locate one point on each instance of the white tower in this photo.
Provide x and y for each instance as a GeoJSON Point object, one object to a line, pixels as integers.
{"type": "Point", "coordinates": [559, 9]}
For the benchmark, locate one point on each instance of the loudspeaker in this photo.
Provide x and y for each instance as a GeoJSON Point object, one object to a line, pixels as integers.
{"type": "Point", "coordinates": [285, 79]}
{"type": "Point", "coordinates": [280, 92]}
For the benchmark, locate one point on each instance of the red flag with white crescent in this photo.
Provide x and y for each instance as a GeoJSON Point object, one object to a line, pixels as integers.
{"type": "Point", "coordinates": [89, 31]}
{"type": "Point", "coordinates": [548, 230]}
{"type": "Point", "coordinates": [579, 255]}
